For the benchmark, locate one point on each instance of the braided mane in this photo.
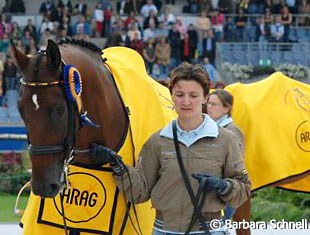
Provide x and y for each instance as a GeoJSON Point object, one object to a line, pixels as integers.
{"type": "Point", "coordinates": [81, 43]}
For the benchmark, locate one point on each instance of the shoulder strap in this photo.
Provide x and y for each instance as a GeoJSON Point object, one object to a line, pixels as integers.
{"type": "Point", "coordinates": [197, 200]}
{"type": "Point", "coordinates": [182, 168]}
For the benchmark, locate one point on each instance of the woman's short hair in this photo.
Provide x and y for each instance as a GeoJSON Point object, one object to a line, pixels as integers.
{"type": "Point", "coordinates": [225, 97]}
{"type": "Point", "coordinates": [190, 72]}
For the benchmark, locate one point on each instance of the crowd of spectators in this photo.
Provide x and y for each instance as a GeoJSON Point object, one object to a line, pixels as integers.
{"type": "Point", "coordinates": [150, 28]}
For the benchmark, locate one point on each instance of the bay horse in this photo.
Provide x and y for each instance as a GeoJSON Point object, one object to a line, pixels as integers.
{"type": "Point", "coordinates": [57, 88]}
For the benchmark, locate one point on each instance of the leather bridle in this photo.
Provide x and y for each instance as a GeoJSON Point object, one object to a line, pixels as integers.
{"type": "Point", "coordinates": [68, 145]}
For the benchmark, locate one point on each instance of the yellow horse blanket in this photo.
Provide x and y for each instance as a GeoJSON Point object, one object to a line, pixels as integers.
{"type": "Point", "coordinates": [93, 204]}
{"type": "Point", "coordinates": [274, 115]}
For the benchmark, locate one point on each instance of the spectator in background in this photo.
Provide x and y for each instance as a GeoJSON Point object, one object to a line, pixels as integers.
{"type": "Point", "coordinates": [82, 28]}
{"type": "Point", "coordinates": [117, 24]}
{"type": "Point", "coordinates": [202, 25]}
{"type": "Point", "coordinates": [125, 7]}
{"type": "Point", "coordinates": [125, 39]}
{"type": "Point", "coordinates": [292, 6]}
{"type": "Point", "coordinates": [187, 49]}
{"type": "Point", "coordinates": [81, 8]}
{"type": "Point", "coordinates": [65, 28]}
{"type": "Point", "coordinates": [47, 6]}
{"type": "Point", "coordinates": [226, 6]}
{"type": "Point", "coordinates": [268, 19]}
{"type": "Point", "coordinates": [32, 47]}
{"type": "Point", "coordinates": [131, 18]}
{"type": "Point", "coordinates": [149, 32]}
{"type": "Point", "coordinates": [180, 26]}
{"type": "Point", "coordinates": [168, 2]}
{"type": "Point", "coordinates": [160, 31]}
{"type": "Point", "coordinates": [26, 38]}
{"type": "Point", "coordinates": [244, 5]}
{"type": "Point", "coordinates": [163, 54]}
{"type": "Point", "coordinates": [16, 31]}
{"type": "Point", "coordinates": [6, 24]}
{"type": "Point", "coordinates": [2, 6]}
{"type": "Point", "coordinates": [2, 89]}
{"type": "Point", "coordinates": [261, 33]}
{"type": "Point", "coordinates": [115, 39]}
{"type": "Point", "coordinates": [193, 6]}
{"type": "Point", "coordinates": [229, 30]}
{"type": "Point", "coordinates": [149, 55]}
{"type": "Point", "coordinates": [4, 44]}
{"type": "Point", "coordinates": [213, 73]}
{"type": "Point", "coordinates": [193, 38]}
{"type": "Point", "coordinates": [146, 8]}
{"type": "Point", "coordinates": [134, 30]}
{"type": "Point", "coordinates": [158, 4]}
{"type": "Point", "coordinates": [174, 39]}
{"type": "Point", "coordinates": [98, 17]}
{"type": "Point", "coordinates": [286, 20]}
{"type": "Point", "coordinates": [108, 13]}
{"type": "Point", "coordinates": [46, 24]}
{"type": "Point", "coordinates": [2, 30]}
{"type": "Point", "coordinates": [214, 4]}
{"type": "Point", "coordinates": [10, 73]}
{"type": "Point", "coordinates": [31, 28]}
{"type": "Point", "coordinates": [105, 4]}
{"type": "Point", "coordinates": [208, 46]}
{"type": "Point", "coordinates": [218, 20]}
{"type": "Point", "coordinates": [276, 6]}
{"type": "Point", "coordinates": [136, 44]}
{"type": "Point", "coordinates": [17, 6]}
{"type": "Point", "coordinates": [240, 25]}
{"type": "Point", "coordinates": [152, 18]}
{"type": "Point", "coordinates": [304, 8]}
{"type": "Point", "coordinates": [277, 30]}
{"type": "Point", "coordinates": [62, 4]}
{"type": "Point", "coordinates": [167, 17]}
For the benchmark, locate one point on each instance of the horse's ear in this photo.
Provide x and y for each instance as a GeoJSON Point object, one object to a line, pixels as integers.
{"type": "Point", "coordinates": [20, 59]}
{"type": "Point", "coordinates": [53, 54]}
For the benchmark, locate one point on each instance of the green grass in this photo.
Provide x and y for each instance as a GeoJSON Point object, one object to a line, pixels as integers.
{"type": "Point", "coordinates": [274, 203]}
{"type": "Point", "coordinates": [7, 203]}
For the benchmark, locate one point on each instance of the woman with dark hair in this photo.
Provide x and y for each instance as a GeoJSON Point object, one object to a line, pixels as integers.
{"type": "Point", "coordinates": [191, 155]}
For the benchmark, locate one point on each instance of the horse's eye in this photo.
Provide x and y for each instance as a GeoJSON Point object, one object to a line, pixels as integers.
{"type": "Point", "coordinates": [57, 111]}
{"type": "Point", "coordinates": [60, 110]}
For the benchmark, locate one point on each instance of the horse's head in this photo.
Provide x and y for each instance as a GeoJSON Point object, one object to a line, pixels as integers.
{"type": "Point", "coordinates": [44, 108]}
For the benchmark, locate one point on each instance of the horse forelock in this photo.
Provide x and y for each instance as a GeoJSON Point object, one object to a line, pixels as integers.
{"type": "Point", "coordinates": [37, 64]}
{"type": "Point", "coordinates": [39, 70]}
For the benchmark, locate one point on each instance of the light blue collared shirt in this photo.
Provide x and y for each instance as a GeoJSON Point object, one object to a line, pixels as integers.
{"type": "Point", "coordinates": [208, 128]}
{"type": "Point", "coordinates": [224, 121]}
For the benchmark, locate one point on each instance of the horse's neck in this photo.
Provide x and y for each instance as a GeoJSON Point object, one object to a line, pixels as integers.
{"type": "Point", "coordinates": [101, 101]}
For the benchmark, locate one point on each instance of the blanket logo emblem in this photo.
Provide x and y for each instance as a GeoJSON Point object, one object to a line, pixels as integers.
{"type": "Point", "coordinates": [303, 136]}
{"type": "Point", "coordinates": [301, 99]}
{"type": "Point", "coordinates": [85, 198]}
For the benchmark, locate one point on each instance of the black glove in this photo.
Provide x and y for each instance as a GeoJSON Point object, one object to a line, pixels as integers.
{"type": "Point", "coordinates": [103, 155]}
{"type": "Point", "coordinates": [213, 183]}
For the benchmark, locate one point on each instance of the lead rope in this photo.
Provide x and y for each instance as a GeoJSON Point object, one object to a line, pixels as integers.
{"type": "Point", "coordinates": [66, 184]}
{"type": "Point", "coordinates": [63, 214]}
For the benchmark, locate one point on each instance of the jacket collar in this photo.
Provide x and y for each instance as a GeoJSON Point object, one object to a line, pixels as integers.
{"type": "Point", "coordinates": [224, 121]}
{"type": "Point", "coordinates": [208, 128]}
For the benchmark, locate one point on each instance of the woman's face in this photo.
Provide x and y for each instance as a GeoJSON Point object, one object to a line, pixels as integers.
{"type": "Point", "coordinates": [188, 98]}
{"type": "Point", "coordinates": [215, 108]}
